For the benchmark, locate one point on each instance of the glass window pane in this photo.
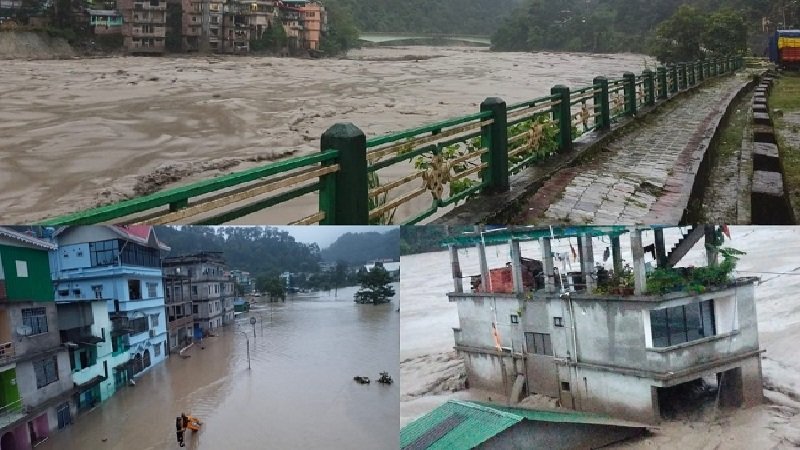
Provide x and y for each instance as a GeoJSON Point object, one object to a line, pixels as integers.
{"type": "Point", "coordinates": [694, 328]}
{"type": "Point", "coordinates": [548, 346]}
{"type": "Point", "coordinates": [658, 326]}
{"type": "Point", "coordinates": [677, 325]}
{"type": "Point", "coordinates": [707, 314]}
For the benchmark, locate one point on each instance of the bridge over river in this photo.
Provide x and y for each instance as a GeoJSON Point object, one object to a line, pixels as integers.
{"type": "Point", "coordinates": [389, 38]}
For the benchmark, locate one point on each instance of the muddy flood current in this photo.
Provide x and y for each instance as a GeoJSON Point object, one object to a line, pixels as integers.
{"type": "Point", "coordinates": [78, 133]}
{"type": "Point", "coordinates": [299, 393]}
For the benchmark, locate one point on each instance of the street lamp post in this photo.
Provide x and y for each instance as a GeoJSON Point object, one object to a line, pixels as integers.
{"type": "Point", "coordinates": [248, 347]}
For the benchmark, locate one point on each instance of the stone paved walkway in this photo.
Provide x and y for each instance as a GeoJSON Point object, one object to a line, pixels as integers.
{"type": "Point", "coordinates": [644, 176]}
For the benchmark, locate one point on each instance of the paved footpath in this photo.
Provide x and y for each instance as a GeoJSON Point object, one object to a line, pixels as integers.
{"type": "Point", "coordinates": [642, 177]}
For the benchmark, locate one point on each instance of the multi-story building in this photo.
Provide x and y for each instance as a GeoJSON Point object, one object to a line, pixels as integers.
{"type": "Point", "coordinates": [528, 328]}
{"type": "Point", "coordinates": [304, 22]}
{"type": "Point", "coordinates": [211, 292]}
{"type": "Point", "coordinates": [120, 265]}
{"type": "Point", "coordinates": [178, 301]}
{"type": "Point", "coordinates": [202, 25]}
{"type": "Point", "coordinates": [85, 331]}
{"type": "Point", "coordinates": [242, 278]}
{"type": "Point", "coordinates": [261, 15]}
{"type": "Point", "coordinates": [35, 382]}
{"type": "Point", "coordinates": [236, 27]}
{"type": "Point", "coordinates": [144, 25]}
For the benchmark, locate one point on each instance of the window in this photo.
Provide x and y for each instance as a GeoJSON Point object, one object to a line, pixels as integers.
{"type": "Point", "coordinates": [558, 321]}
{"type": "Point", "coordinates": [36, 318]}
{"type": "Point", "coordinates": [63, 292]}
{"type": "Point", "coordinates": [514, 318]}
{"type": "Point", "coordinates": [565, 386]}
{"type": "Point", "coordinates": [153, 320]}
{"type": "Point", "coordinates": [194, 309]}
{"type": "Point", "coordinates": [98, 290]}
{"type": "Point", "coordinates": [134, 290]}
{"type": "Point", "coordinates": [22, 269]}
{"type": "Point", "coordinates": [679, 324]}
{"type": "Point", "coordinates": [151, 290]}
{"type": "Point", "coordinates": [194, 290]}
{"type": "Point", "coordinates": [104, 253]}
{"type": "Point", "coordinates": [139, 325]}
{"type": "Point", "coordinates": [46, 371]}
{"type": "Point", "coordinates": [539, 344]}
{"type": "Point", "coordinates": [157, 350]}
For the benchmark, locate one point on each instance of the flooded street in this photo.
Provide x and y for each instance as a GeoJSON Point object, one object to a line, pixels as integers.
{"type": "Point", "coordinates": [299, 393]}
{"type": "Point", "coordinates": [430, 369]}
{"type": "Point", "coordinates": [82, 132]}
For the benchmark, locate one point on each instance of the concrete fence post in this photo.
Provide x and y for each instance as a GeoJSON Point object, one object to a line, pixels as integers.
{"type": "Point", "coordinates": [682, 77]}
{"type": "Point", "coordinates": [601, 105]}
{"type": "Point", "coordinates": [662, 82]}
{"type": "Point", "coordinates": [673, 70]}
{"type": "Point", "coordinates": [495, 137]}
{"type": "Point", "coordinates": [562, 113]}
{"type": "Point", "coordinates": [649, 87]}
{"type": "Point", "coordinates": [343, 195]}
{"type": "Point", "coordinates": [630, 93]}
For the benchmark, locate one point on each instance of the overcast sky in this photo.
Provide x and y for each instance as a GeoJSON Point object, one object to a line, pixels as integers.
{"type": "Point", "coordinates": [324, 236]}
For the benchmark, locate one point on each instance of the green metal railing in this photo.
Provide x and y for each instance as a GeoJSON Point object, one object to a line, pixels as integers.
{"type": "Point", "coordinates": [411, 175]}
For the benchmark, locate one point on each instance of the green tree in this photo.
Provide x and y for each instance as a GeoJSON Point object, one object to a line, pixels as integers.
{"type": "Point", "coordinates": [679, 38]}
{"type": "Point", "coordinates": [271, 285]}
{"type": "Point", "coordinates": [342, 34]}
{"type": "Point", "coordinates": [726, 33]}
{"type": "Point", "coordinates": [375, 287]}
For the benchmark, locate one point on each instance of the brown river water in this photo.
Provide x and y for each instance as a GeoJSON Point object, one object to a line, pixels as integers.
{"type": "Point", "coordinates": [299, 392]}
{"type": "Point", "coordinates": [77, 133]}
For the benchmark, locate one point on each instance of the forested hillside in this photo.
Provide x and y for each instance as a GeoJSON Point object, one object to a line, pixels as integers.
{"type": "Point", "coordinates": [359, 248]}
{"type": "Point", "coordinates": [624, 25]}
{"type": "Point", "coordinates": [480, 17]}
{"type": "Point", "coordinates": [258, 250]}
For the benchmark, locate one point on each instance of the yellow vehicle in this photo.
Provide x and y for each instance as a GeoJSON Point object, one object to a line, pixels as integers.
{"type": "Point", "coordinates": [184, 422]}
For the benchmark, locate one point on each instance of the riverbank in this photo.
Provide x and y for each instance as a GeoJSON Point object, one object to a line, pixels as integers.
{"type": "Point", "coordinates": [33, 45]}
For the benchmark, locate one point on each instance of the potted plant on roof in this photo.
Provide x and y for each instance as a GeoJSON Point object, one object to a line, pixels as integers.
{"type": "Point", "coordinates": [621, 282]}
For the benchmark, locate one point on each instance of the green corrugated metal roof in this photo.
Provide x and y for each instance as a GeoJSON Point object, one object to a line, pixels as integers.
{"type": "Point", "coordinates": [479, 424]}
{"type": "Point", "coordinates": [464, 425]}
{"type": "Point", "coordinates": [503, 235]}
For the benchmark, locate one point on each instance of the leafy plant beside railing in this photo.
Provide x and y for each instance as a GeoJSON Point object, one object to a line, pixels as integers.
{"type": "Point", "coordinates": [439, 163]}
{"type": "Point", "coordinates": [694, 279]}
{"type": "Point", "coordinates": [543, 140]}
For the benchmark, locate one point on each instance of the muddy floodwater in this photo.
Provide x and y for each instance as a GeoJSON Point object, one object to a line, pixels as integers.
{"type": "Point", "coordinates": [82, 132]}
{"type": "Point", "coordinates": [299, 393]}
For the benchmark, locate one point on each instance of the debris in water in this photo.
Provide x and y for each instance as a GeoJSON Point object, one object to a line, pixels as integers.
{"type": "Point", "coordinates": [362, 380]}
{"type": "Point", "coordinates": [385, 378]}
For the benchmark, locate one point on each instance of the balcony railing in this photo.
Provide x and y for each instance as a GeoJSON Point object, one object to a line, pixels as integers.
{"type": "Point", "coordinates": [11, 412]}
{"type": "Point", "coordinates": [6, 352]}
{"type": "Point", "coordinates": [80, 335]}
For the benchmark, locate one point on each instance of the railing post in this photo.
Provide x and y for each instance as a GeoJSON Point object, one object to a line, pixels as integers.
{"type": "Point", "coordinates": [682, 76]}
{"type": "Point", "coordinates": [630, 93]}
{"type": "Point", "coordinates": [715, 67]}
{"type": "Point", "coordinates": [673, 70]}
{"type": "Point", "coordinates": [662, 82]}
{"type": "Point", "coordinates": [562, 113]}
{"type": "Point", "coordinates": [649, 87]}
{"type": "Point", "coordinates": [343, 195]}
{"type": "Point", "coordinates": [700, 72]}
{"type": "Point", "coordinates": [691, 69]}
{"type": "Point", "coordinates": [601, 103]}
{"type": "Point", "coordinates": [495, 137]}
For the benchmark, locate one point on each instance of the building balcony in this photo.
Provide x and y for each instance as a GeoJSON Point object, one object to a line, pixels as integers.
{"type": "Point", "coordinates": [11, 413]}
{"type": "Point", "coordinates": [179, 321]}
{"type": "Point", "coordinates": [157, 33]}
{"type": "Point", "coordinates": [7, 354]}
{"type": "Point", "coordinates": [84, 377]}
{"type": "Point", "coordinates": [148, 20]}
{"type": "Point", "coordinates": [135, 339]}
{"type": "Point", "coordinates": [81, 336]}
{"type": "Point", "coordinates": [134, 305]}
{"type": "Point", "coordinates": [150, 6]}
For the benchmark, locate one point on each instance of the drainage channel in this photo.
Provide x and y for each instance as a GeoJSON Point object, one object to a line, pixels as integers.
{"type": "Point", "coordinates": [740, 180]}
{"type": "Point", "coordinates": [770, 204]}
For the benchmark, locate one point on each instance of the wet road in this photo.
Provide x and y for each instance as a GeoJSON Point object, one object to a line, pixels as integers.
{"type": "Point", "coordinates": [77, 133]}
{"type": "Point", "coordinates": [299, 393]}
